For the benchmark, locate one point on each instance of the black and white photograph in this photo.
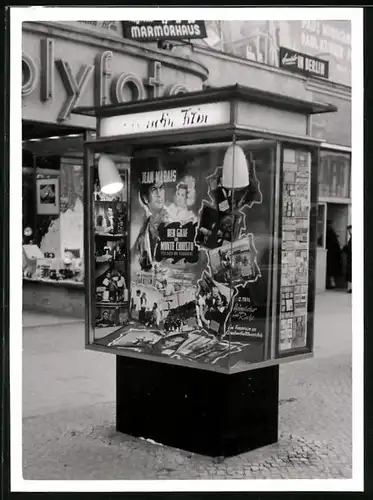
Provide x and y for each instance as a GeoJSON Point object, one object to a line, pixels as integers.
{"type": "Point", "coordinates": [189, 312]}
{"type": "Point", "coordinates": [235, 263]}
{"type": "Point", "coordinates": [47, 192]}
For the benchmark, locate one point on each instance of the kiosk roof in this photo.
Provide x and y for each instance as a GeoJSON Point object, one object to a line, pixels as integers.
{"type": "Point", "coordinates": [210, 95]}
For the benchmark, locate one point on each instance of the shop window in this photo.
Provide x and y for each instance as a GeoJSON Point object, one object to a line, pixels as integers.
{"type": "Point", "coordinates": [53, 209]}
{"type": "Point", "coordinates": [334, 174]}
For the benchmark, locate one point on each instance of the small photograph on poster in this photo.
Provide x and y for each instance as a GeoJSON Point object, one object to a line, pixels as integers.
{"type": "Point", "coordinates": [303, 170]}
{"type": "Point", "coordinates": [302, 208]}
{"type": "Point", "coordinates": [48, 196]}
{"type": "Point", "coordinates": [287, 299]}
{"type": "Point", "coordinates": [111, 251]}
{"type": "Point", "coordinates": [300, 299]}
{"type": "Point", "coordinates": [288, 223]}
{"type": "Point", "coordinates": [151, 342]}
{"type": "Point", "coordinates": [301, 265]}
{"type": "Point", "coordinates": [299, 331]}
{"type": "Point", "coordinates": [137, 339]}
{"type": "Point", "coordinates": [286, 334]}
{"type": "Point", "coordinates": [235, 263]}
{"type": "Point", "coordinates": [110, 315]}
{"type": "Point", "coordinates": [289, 156]}
{"type": "Point", "coordinates": [110, 283]}
{"type": "Point", "coordinates": [164, 298]}
{"type": "Point", "coordinates": [289, 207]}
{"type": "Point", "coordinates": [215, 227]}
{"type": "Point", "coordinates": [289, 190]}
{"type": "Point", "coordinates": [111, 218]}
{"type": "Point", "coordinates": [301, 235]}
{"type": "Point", "coordinates": [302, 189]}
{"type": "Point", "coordinates": [206, 349]}
{"type": "Point", "coordinates": [183, 198]}
{"type": "Point", "coordinates": [213, 303]}
{"type": "Point", "coordinates": [289, 176]}
{"type": "Point", "coordinates": [288, 242]}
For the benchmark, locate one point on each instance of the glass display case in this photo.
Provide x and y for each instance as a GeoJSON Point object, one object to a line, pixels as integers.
{"type": "Point", "coordinates": [206, 256]}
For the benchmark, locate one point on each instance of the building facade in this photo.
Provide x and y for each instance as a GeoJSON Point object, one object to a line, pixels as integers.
{"type": "Point", "coordinates": [247, 52]}
{"type": "Point", "coordinates": [69, 64]}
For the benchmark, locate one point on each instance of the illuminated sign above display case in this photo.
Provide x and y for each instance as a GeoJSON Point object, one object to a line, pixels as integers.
{"type": "Point", "coordinates": [185, 117]}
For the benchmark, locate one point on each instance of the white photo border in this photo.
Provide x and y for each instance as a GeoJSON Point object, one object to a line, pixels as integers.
{"type": "Point", "coordinates": [22, 14]}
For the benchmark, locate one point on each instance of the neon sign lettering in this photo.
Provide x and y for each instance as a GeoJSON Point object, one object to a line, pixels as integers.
{"type": "Point", "coordinates": [108, 88]}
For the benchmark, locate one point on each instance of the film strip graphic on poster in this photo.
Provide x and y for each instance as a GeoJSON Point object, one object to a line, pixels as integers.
{"type": "Point", "coordinates": [296, 191]}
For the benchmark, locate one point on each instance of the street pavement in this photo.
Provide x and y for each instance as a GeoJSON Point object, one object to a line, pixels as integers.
{"type": "Point", "coordinates": [69, 411]}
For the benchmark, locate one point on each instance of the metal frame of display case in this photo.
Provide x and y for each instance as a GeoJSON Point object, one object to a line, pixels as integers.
{"type": "Point", "coordinates": [236, 409]}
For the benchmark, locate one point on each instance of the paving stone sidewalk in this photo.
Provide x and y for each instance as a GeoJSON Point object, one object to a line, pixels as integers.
{"type": "Point", "coordinates": [69, 427]}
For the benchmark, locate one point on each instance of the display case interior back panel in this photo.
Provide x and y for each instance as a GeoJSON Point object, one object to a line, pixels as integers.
{"type": "Point", "coordinates": [110, 216]}
{"type": "Point", "coordinates": [186, 276]}
{"type": "Point", "coordinates": [295, 294]}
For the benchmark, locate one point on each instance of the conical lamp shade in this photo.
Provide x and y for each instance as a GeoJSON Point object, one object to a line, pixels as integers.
{"type": "Point", "coordinates": [235, 168]}
{"type": "Point", "coordinates": [110, 181]}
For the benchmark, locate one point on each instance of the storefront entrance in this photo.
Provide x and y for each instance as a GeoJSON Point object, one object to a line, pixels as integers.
{"type": "Point", "coordinates": [338, 216]}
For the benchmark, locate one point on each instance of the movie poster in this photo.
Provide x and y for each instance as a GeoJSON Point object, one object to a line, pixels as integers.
{"type": "Point", "coordinates": [199, 259]}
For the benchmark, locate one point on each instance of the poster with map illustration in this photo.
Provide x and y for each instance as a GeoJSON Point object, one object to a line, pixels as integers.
{"type": "Point", "coordinates": [199, 258]}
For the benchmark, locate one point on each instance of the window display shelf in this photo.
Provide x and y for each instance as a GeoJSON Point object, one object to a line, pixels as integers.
{"type": "Point", "coordinates": [68, 283]}
{"type": "Point", "coordinates": [110, 235]}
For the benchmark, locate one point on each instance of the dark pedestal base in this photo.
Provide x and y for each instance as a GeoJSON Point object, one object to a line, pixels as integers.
{"type": "Point", "coordinates": [196, 410]}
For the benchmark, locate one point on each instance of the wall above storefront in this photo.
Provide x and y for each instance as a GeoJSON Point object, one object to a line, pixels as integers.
{"type": "Point", "coordinates": [335, 128]}
{"type": "Point", "coordinates": [65, 65]}
{"type": "Point", "coordinates": [260, 41]}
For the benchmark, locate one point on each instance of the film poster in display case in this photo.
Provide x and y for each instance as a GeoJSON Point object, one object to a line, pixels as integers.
{"type": "Point", "coordinates": [295, 250]}
{"type": "Point", "coordinates": [199, 259]}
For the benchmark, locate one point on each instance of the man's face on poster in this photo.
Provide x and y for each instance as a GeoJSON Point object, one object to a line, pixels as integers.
{"type": "Point", "coordinates": [219, 301]}
{"type": "Point", "coordinates": [215, 292]}
{"type": "Point", "coordinates": [105, 316]}
{"type": "Point", "coordinates": [156, 198]}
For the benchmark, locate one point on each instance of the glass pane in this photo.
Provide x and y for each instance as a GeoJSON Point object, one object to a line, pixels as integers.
{"type": "Point", "coordinates": [198, 249]}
